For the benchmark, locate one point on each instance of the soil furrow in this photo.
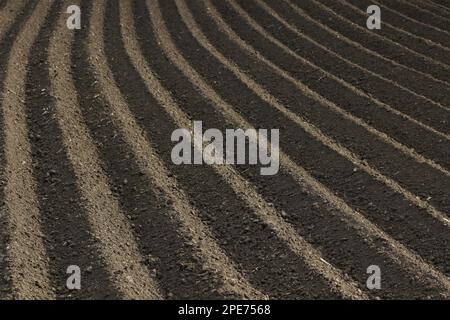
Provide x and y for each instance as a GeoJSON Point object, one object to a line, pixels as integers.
{"type": "Point", "coordinates": [441, 11]}
{"type": "Point", "coordinates": [421, 12]}
{"type": "Point", "coordinates": [167, 253]}
{"type": "Point", "coordinates": [441, 3]}
{"type": "Point", "coordinates": [68, 236]}
{"type": "Point", "coordinates": [315, 112]}
{"type": "Point", "coordinates": [425, 87]}
{"type": "Point", "coordinates": [272, 101]}
{"type": "Point", "coordinates": [202, 62]}
{"type": "Point", "coordinates": [435, 52]}
{"type": "Point", "coordinates": [371, 40]}
{"type": "Point", "coordinates": [330, 249]}
{"type": "Point", "coordinates": [249, 194]}
{"type": "Point", "coordinates": [311, 94]}
{"type": "Point", "coordinates": [117, 244]}
{"type": "Point", "coordinates": [5, 49]}
{"type": "Point", "coordinates": [416, 21]}
{"type": "Point", "coordinates": [10, 10]}
{"type": "Point", "coordinates": [348, 76]}
{"type": "Point", "coordinates": [297, 172]}
{"type": "Point", "coordinates": [358, 171]}
{"type": "Point", "coordinates": [27, 259]}
{"type": "Point", "coordinates": [206, 250]}
{"type": "Point", "coordinates": [386, 154]}
{"type": "Point", "coordinates": [407, 26]}
{"type": "Point", "coordinates": [228, 217]}
{"type": "Point", "coordinates": [284, 194]}
{"type": "Point", "coordinates": [399, 128]}
{"type": "Point", "coordinates": [225, 212]}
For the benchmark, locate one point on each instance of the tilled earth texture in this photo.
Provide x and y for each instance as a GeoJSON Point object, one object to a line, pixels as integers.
{"type": "Point", "coordinates": [360, 206]}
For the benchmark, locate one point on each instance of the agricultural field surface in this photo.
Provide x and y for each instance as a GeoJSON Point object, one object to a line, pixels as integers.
{"type": "Point", "coordinates": [224, 149]}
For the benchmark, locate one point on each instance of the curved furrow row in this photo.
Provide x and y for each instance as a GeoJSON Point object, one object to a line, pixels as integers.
{"type": "Point", "coordinates": [192, 227]}
{"type": "Point", "coordinates": [221, 24]}
{"type": "Point", "coordinates": [5, 50]}
{"type": "Point", "coordinates": [117, 244]}
{"type": "Point", "coordinates": [69, 239]}
{"type": "Point", "coordinates": [418, 43]}
{"type": "Point", "coordinates": [425, 89]}
{"type": "Point", "coordinates": [346, 130]}
{"type": "Point", "coordinates": [442, 3]}
{"type": "Point", "coordinates": [321, 118]}
{"type": "Point", "coordinates": [287, 164]}
{"type": "Point", "coordinates": [382, 119]}
{"type": "Point", "coordinates": [195, 181]}
{"type": "Point", "coordinates": [265, 111]}
{"type": "Point", "coordinates": [359, 80]}
{"type": "Point", "coordinates": [269, 263]}
{"type": "Point", "coordinates": [317, 223]}
{"type": "Point", "coordinates": [169, 255]}
{"type": "Point", "coordinates": [437, 5]}
{"type": "Point", "coordinates": [230, 218]}
{"type": "Point", "coordinates": [337, 182]}
{"type": "Point", "coordinates": [433, 8]}
{"type": "Point", "coordinates": [340, 36]}
{"type": "Point", "coordinates": [271, 100]}
{"type": "Point", "coordinates": [403, 11]}
{"type": "Point", "coordinates": [27, 260]}
{"type": "Point", "coordinates": [373, 41]}
{"type": "Point", "coordinates": [243, 189]}
{"type": "Point", "coordinates": [408, 26]}
{"type": "Point", "coordinates": [10, 10]}
{"type": "Point", "coordinates": [87, 177]}
{"type": "Point", "coordinates": [414, 7]}
{"type": "Point", "coordinates": [428, 54]}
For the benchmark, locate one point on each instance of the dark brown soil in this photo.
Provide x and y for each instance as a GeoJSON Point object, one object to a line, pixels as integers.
{"type": "Point", "coordinates": [405, 80]}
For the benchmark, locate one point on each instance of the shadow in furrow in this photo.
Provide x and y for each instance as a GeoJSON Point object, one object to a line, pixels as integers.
{"type": "Point", "coordinates": [266, 261]}
{"type": "Point", "coordinates": [411, 99]}
{"type": "Point", "coordinates": [415, 176]}
{"type": "Point", "coordinates": [307, 208]}
{"type": "Point", "coordinates": [396, 126]}
{"type": "Point", "coordinates": [400, 17]}
{"type": "Point", "coordinates": [391, 211]}
{"type": "Point", "coordinates": [321, 225]}
{"type": "Point", "coordinates": [166, 252]}
{"type": "Point", "coordinates": [370, 40]}
{"type": "Point", "coordinates": [414, 11]}
{"type": "Point", "coordinates": [409, 41]}
{"type": "Point", "coordinates": [68, 236]}
{"type": "Point", "coordinates": [5, 48]}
